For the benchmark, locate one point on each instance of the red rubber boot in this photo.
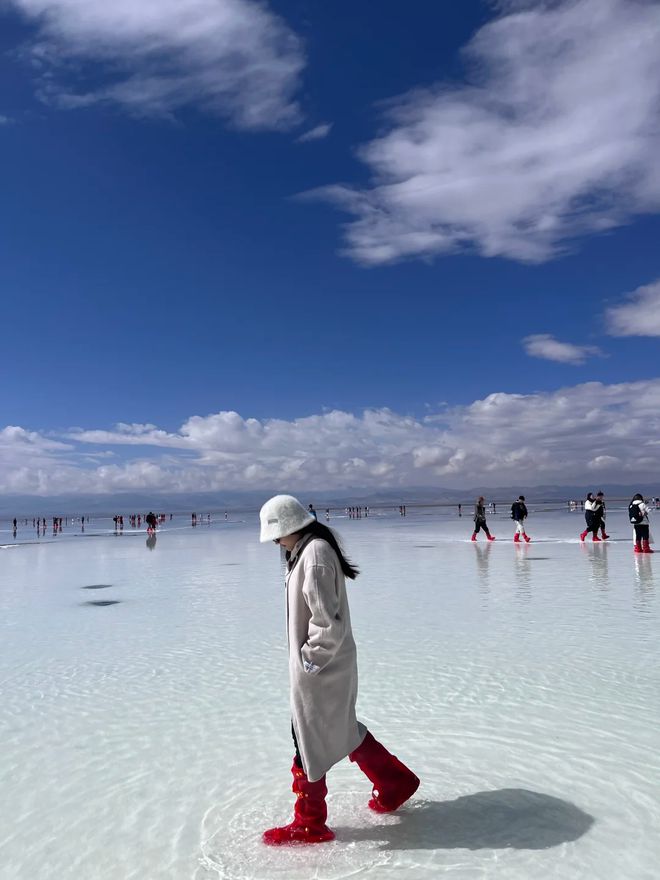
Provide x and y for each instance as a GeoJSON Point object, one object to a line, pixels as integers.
{"type": "Point", "coordinates": [491, 537]}
{"type": "Point", "coordinates": [646, 547]}
{"type": "Point", "coordinates": [603, 535]}
{"type": "Point", "coordinates": [526, 537]}
{"type": "Point", "coordinates": [583, 535]}
{"type": "Point", "coordinates": [393, 782]}
{"type": "Point", "coordinates": [474, 536]}
{"type": "Point", "coordinates": [309, 814]}
{"type": "Point", "coordinates": [516, 538]}
{"type": "Point", "coordinates": [596, 539]}
{"type": "Point", "coordinates": [638, 547]}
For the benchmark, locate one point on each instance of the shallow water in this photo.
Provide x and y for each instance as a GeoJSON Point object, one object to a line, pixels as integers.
{"type": "Point", "coordinates": [144, 722]}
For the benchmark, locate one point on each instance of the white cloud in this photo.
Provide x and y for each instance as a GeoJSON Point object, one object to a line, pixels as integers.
{"type": "Point", "coordinates": [317, 133]}
{"type": "Point", "coordinates": [233, 58]}
{"type": "Point", "coordinates": [545, 346]}
{"type": "Point", "coordinates": [639, 316]}
{"type": "Point", "coordinates": [4, 120]}
{"type": "Point", "coordinates": [556, 135]}
{"type": "Point", "coordinates": [562, 436]}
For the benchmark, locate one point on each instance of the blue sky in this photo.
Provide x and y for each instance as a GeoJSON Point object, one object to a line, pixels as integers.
{"type": "Point", "coordinates": [458, 248]}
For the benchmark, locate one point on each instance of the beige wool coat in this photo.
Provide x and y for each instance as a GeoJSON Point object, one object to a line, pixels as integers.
{"type": "Point", "coordinates": [322, 658]}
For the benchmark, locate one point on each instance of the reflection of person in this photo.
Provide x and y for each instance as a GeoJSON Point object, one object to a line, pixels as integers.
{"type": "Point", "coordinates": [519, 515]}
{"type": "Point", "coordinates": [151, 541]}
{"type": "Point", "coordinates": [323, 676]}
{"type": "Point", "coordinates": [480, 519]}
{"type": "Point", "coordinates": [639, 517]}
{"type": "Point", "coordinates": [591, 518]}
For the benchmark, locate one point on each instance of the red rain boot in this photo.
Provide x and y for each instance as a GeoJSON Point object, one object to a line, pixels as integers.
{"type": "Point", "coordinates": [638, 547]}
{"type": "Point", "coordinates": [309, 814]}
{"type": "Point", "coordinates": [527, 538]}
{"type": "Point", "coordinates": [393, 782]}
{"type": "Point", "coordinates": [605, 537]}
{"type": "Point", "coordinates": [646, 547]}
{"type": "Point", "coordinates": [583, 535]}
{"type": "Point", "coordinates": [474, 536]}
{"type": "Point", "coordinates": [596, 539]}
{"type": "Point", "coordinates": [491, 537]}
{"type": "Point", "coordinates": [516, 538]}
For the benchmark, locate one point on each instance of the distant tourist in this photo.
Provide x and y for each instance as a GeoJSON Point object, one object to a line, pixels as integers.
{"type": "Point", "coordinates": [151, 521]}
{"type": "Point", "coordinates": [480, 519]}
{"type": "Point", "coordinates": [312, 511]}
{"type": "Point", "coordinates": [591, 518]}
{"type": "Point", "coordinates": [638, 513]}
{"type": "Point", "coordinates": [519, 515]}
{"type": "Point", "coordinates": [323, 676]}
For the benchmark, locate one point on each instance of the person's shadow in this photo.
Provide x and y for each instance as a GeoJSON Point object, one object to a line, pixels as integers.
{"type": "Point", "coordinates": [509, 818]}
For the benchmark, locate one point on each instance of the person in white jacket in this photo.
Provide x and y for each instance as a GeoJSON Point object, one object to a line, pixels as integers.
{"type": "Point", "coordinates": [591, 518]}
{"type": "Point", "coordinates": [323, 676]}
{"type": "Point", "coordinates": [639, 517]}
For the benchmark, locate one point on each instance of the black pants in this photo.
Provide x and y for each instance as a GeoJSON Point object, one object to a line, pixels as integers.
{"type": "Point", "coordinates": [481, 524]}
{"type": "Point", "coordinates": [295, 744]}
{"type": "Point", "coordinates": [641, 532]}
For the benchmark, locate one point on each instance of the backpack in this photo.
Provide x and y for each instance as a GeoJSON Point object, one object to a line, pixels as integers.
{"type": "Point", "coordinates": [635, 514]}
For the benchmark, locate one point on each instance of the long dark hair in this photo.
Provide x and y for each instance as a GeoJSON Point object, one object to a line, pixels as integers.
{"type": "Point", "coordinates": [318, 530]}
{"type": "Point", "coordinates": [637, 497]}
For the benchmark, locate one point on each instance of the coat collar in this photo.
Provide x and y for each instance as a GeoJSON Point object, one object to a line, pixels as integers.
{"type": "Point", "coordinates": [295, 553]}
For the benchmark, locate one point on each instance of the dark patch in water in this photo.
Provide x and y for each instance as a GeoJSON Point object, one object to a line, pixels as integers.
{"type": "Point", "coordinates": [230, 563]}
{"type": "Point", "coordinates": [425, 546]}
{"type": "Point", "coordinates": [537, 557]}
{"type": "Point", "coordinates": [96, 587]}
{"type": "Point", "coordinates": [102, 602]}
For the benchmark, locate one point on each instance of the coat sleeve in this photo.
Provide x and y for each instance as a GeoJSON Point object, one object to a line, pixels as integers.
{"type": "Point", "coordinates": [326, 628]}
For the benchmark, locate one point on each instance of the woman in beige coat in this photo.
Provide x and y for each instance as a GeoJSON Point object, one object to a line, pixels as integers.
{"type": "Point", "coordinates": [323, 676]}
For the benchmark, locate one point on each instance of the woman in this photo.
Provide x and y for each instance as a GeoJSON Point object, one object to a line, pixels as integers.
{"type": "Point", "coordinates": [480, 519]}
{"type": "Point", "coordinates": [591, 518]}
{"type": "Point", "coordinates": [639, 517]}
{"type": "Point", "coordinates": [323, 676]}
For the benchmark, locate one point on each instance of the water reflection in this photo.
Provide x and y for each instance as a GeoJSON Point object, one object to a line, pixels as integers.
{"type": "Point", "coordinates": [482, 552]}
{"type": "Point", "coordinates": [151, 541]}
{"type": "Point", "coordinates": [597, 556]}
{"type": "Point", "coordinates": [522, 570]}
{"type": "Point", "coordinates": [644, 584]}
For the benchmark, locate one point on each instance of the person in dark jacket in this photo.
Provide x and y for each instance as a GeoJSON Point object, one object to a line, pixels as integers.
{"type": "Point", "coordinates": [519, 515]}
{"type": "Point", "coordinates": [480, 519]}
{"type": "Point", "coordinates": [600, 515]}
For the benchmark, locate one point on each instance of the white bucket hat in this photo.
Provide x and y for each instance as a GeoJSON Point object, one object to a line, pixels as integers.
{"type": "Point", "coordinates": [283, 515]}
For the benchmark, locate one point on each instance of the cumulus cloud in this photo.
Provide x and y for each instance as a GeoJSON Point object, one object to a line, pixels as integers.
{"type": "Point", "coordinates": [232, 58]}
{"type": "Point", "coordinates": [611, 430]}
{"type": "Point", "coordinates": [555, 136]}
{"type": "Point", "coordinates": [316, 134]}
{"type": "Point", "coordinates": [639, 316]}
{"type": "Point", "coordinates": [546, 347]}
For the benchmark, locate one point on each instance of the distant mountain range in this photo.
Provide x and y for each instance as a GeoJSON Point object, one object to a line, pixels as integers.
{"type": "Point", "coordinates": [234, 501]}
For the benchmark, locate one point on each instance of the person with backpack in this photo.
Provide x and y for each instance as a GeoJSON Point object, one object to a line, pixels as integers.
{"type": "Point", "coordinates": [519, 515]}
{"type": "Point", "coordinates": [591, 518]}
{"type": "Point", "coordinates": [638, 513]}
{"type": "Point", "coordinates": [601, 513]}
{"type": "Point", "coordinates": [480, 519]}
{"type": "Point", "coordinates": [323, 677]}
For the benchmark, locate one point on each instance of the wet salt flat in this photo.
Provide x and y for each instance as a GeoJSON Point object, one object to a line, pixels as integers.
{"type": "Point", "coordinates": [145, 730]}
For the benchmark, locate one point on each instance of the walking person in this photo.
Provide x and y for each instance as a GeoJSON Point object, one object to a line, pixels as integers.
{"type": "Point", "coordinates": [638, 513]}
{"type": "Point", "coordinates": [480, 519]}
{"type": "Point", "coordinates": [519, 515]}
{"type": "Point", "coordinates": [323, 676]}
{"type": "Point", "coordinates": [601, 513]}
{"type": "Point", "coordinates": [591, 518]}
